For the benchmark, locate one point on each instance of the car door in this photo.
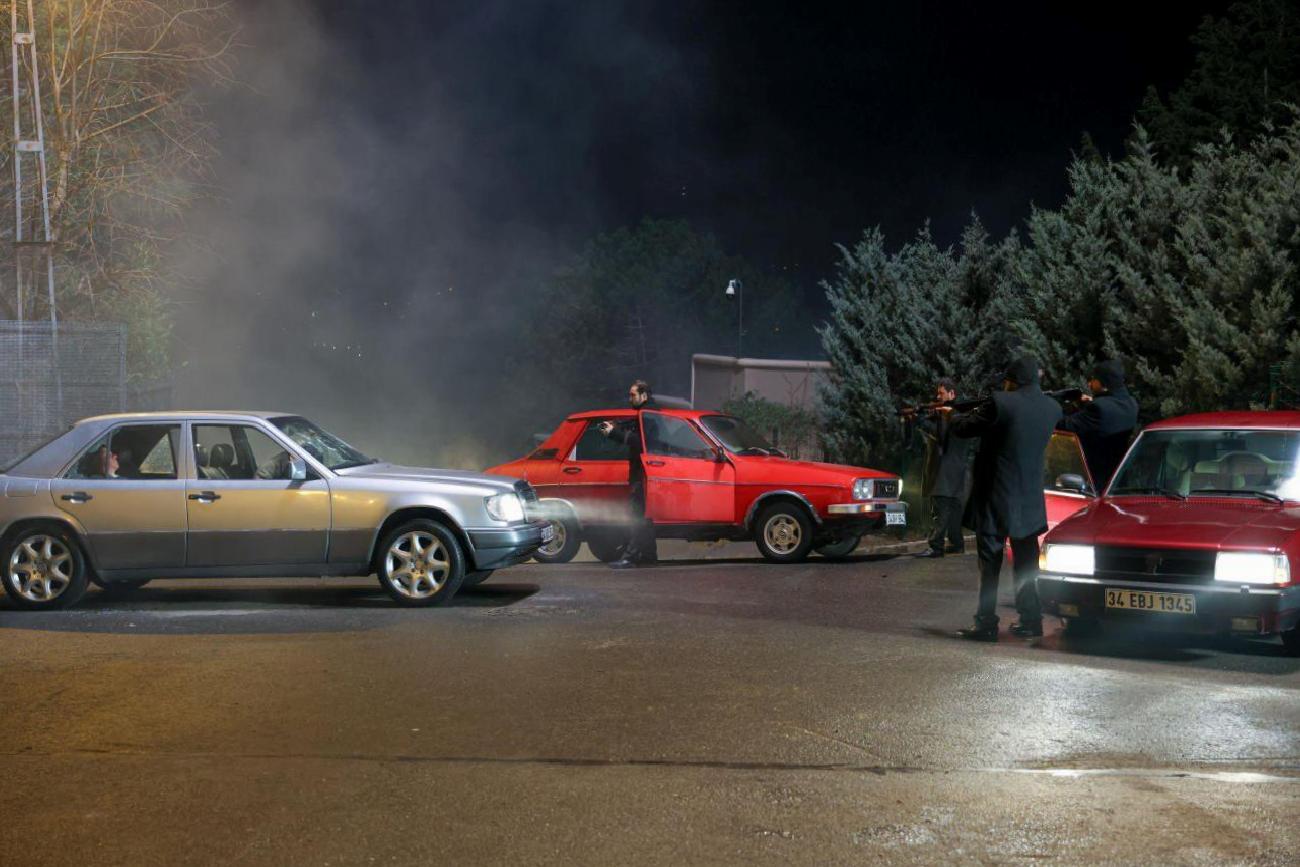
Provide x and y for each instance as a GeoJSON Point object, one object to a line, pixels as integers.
{"type": "Point", "coordinates": [128, 494]}
{"type": "Point", "coordinates": [1064, 459]}
{"type": "Point", "coordinates": [593, 475]}
{"type": "Point", "coordinates": [244, 509]}
{"type": "Point", "coordinates": [687, 479]}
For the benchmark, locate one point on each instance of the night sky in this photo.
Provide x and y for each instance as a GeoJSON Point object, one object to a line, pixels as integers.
{"type": "Point", "coordinates": [397, 180]}
{"type": "Point", "coordinates": [783, 128]}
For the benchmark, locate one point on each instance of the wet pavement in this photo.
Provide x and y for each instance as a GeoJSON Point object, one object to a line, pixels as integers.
{"type": "Point", "coordinates": [709, 711]}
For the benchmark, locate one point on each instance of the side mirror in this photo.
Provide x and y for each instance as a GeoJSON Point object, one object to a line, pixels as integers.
{"type": "Point", "coordinates": [1072, 482]}
{"type": "Point", "coordinates": [297, 468]}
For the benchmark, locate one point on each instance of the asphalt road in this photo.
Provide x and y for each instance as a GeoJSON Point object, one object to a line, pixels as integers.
{"type": "Point", "coordinates": [709, 711]}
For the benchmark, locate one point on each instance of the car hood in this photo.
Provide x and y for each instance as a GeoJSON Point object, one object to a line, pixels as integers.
{"type": "Point", "coordinates": [394, 472]}
{"type": "Point", "coordinates": [807, 471]}
{"type": "Point", "coordinates": [1218, 523]}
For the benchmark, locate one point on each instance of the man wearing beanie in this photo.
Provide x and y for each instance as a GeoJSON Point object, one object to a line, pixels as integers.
{"type": "Point", "coordinates": [1014, 427]}
{"type": "Point", "coordinates": [1105, 423]}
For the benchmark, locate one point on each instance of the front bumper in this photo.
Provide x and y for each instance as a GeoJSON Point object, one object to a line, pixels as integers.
{"type": "Point", "coordinates": [876, 510]}
{"type": "Point", "coordinates": [1219, 609]}
{"type": "Point", "coordinates": [497, 549]}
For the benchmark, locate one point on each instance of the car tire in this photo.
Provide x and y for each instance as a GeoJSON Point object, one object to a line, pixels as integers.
{"type": "Point", "coordinates": [421, 564]}
{"type": "Point", "coordinates": [606, 547]}
{"type": "Point", "coordinates": [566, 544]}
{"type": "Point", "coordinates": [841, 549]}
{"type": "Point", "coordinates": [1291, 641]}
{"type": "Point", "coordinates": [473, 579]}
{"type": "Point", "coordinates": [119, 586]}
{"type": "Point", "coordinates": [784, 532]}
{"type": "Point", "coordinates": [57, 549]}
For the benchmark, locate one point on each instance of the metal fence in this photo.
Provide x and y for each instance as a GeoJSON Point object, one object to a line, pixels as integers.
{"type": "Point", "coordinates": [43, 391]}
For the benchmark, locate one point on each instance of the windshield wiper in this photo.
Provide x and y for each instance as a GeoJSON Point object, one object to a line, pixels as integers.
{"type": "Point", "coordinates": [347, 465]}
{"type": "Point", "coordinates": [1249, 492]}
{"type": "Point", "coordinates": [1173, 495]}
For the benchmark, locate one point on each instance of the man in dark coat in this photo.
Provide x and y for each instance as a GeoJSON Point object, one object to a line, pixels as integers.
{"type": "Point", "coordinates": [945, 477]}
{"type": "Point", "coordinates": [641, 549]}
{"type": "Point", "coordinates": [1105, 423]}
{"type": "Point", "coordinates": [1014, 427]}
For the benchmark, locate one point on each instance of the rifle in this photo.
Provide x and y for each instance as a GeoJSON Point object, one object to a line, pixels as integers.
{"type": "Point", "coordinates": [909, 413]}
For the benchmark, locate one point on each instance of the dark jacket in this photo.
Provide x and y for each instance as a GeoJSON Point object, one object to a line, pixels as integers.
{"type": "Point", "coordinates": [946, 472]}
{"type": "Point", "coordinates": [628, 432]}
{"type": "Point", "coordinates": [1104, 426]}
{"type": "Point", "coordinates": [1014, 428]}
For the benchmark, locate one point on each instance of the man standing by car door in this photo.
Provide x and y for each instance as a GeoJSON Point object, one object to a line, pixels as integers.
{"type": "Point", "coordinates": [945, 477]}
{"type": "Point", "coordinates": [1105, 421]}
{"type": "Point", "coordinates": [641, 549]}
{"type": "Point", "coordinates": [1014, 427]}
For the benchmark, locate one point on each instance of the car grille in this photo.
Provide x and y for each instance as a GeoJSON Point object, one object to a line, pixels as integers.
{"type": "Point", "coordinates": [884, 489]}
{"type": "Point", "coordinates": [1157, 565]}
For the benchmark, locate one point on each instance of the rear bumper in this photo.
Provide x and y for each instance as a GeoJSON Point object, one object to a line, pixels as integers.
{"type": "Point", "coordinates": [1248, 611]}
{"type": "Point", "coordinates": [497, 549]}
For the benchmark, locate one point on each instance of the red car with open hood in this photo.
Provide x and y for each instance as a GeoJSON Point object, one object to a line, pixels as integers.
{"type": "Point", "coordinates": [708, 477]}
{"type": "Point", "coordinates": [1198, 531]}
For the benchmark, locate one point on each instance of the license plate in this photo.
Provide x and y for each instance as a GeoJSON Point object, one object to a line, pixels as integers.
{"type": "Point", "coordinates": [548, 533]}
{"type": "Point", "coordinates": [895, 519]}
{"type": "Point", "coordinates": [1145, 600]}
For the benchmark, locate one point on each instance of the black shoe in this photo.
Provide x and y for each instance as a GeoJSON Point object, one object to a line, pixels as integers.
{"type": "Point", "coordinates": [1027, 630]}
{"type": "Point", "coordinates": [623, 564]}
{"type": "Point", "coordinates": [929, 553]}
{"type": "Point", "coordinates": [955, 549]}
{"type": "Point", "coordinates": [978, 633]}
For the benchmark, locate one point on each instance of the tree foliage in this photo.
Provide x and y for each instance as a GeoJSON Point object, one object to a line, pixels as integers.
{"type": "Point", "coordinates": [1192, 276]}
{"type": "Point", "coordinates": [1246, 72]}
{"type": "Point", "coordinates": [127, 150]}
{"type": "Point", "coordinates": [637, 302]}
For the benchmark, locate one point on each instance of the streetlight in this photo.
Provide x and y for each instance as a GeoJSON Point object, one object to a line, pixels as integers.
{"type": "Point", "coordinates": [734, 289]}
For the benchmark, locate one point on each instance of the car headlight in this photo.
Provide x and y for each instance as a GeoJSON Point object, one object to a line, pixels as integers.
{"type": "Point", "coordinates": [505, 507]}
{"type": "Point", "coordinates": [863, 489]}
{"type": "Point", "coordinates": [1070, 559]}
{"type": "Point", "coordinates": [1250, 567]}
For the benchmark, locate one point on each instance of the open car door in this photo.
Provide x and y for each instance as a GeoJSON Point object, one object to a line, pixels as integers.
{"type": "Point", "coordinates": [1067, 483]}
{"type": "Point", "coordinates": [687, 480]}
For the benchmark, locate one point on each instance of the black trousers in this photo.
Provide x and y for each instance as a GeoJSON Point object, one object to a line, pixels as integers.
{"type": "Point", "coordinates": [945, 522]}
{"type": "Point", "coordinates": [989, 547]}
{"type": "Point", "coordinates": [641, 546]}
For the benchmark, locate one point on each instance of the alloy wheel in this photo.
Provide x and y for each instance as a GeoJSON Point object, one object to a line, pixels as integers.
{"type": "Point", "coordinates": [417, 564]}
{"type": "Point", "coordinates": [40, 568]}
{"type": "Point", "coordinates": [556, 545]}
{"type": "Point", "coordinates": [782, 534]}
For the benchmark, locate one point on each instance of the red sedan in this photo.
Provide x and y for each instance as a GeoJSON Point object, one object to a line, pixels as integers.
{"type": "Point", "coordinates": [708, 477]}
{"type": "Point", "coordinates": [1198, 531]}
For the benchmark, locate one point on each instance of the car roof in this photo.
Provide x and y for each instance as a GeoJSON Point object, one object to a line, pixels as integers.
{"type": "Point", "coordinates": [624, 412]}
{"type": "Point", "coordinates": [184, 413]}
{"type": "Point", "coordinates": [1259, 420]}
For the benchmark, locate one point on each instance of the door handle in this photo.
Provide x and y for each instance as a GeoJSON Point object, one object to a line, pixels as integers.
{"type": "Point", "coordinates": [205, 496]}
{"type": "Point", "coordinates": [572, 471]}
{"type": "Point", "coordinates": [77, 497]}
{"type": "Point", "coordinates": [654, 463]}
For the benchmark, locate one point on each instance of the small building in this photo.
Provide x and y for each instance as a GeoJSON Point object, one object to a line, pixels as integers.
{"type": "Point", "coordinates": [716, 379]}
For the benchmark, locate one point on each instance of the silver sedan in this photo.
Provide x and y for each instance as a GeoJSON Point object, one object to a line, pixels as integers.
{"type": "Point", "coordinates": [120, 499]}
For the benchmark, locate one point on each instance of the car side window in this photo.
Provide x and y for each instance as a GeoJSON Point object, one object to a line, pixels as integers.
{"type": "Point", "coordinates": [673, 437]}
{"type": "Point", "coordinates": [1064, 457]}
{"type": "Point", "coordinates": [593, 445]}
{"type": "Point", "coordinates": [134, 451]}
{"type": "Point", "coordinates": [238, 452]}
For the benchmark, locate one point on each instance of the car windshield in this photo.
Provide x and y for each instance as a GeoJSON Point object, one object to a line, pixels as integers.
{"type": "Point", "coordinates": [736, 436]}
{"type": "Point", "coordinates": [321, 444]}
{"type": "Point", "coordinates": [1201, 463]}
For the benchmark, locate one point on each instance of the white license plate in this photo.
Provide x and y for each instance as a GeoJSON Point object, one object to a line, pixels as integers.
{"type": "Point", "coordinates": [1146, 600]}
{"type": "Point", "coordinates": [895, 519]}
{"type": "Point", "coordinates": [548, 533]}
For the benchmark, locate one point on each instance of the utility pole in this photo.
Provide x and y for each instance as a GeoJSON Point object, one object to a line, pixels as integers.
{"type": "Point", "coordinates": [24, 60]}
